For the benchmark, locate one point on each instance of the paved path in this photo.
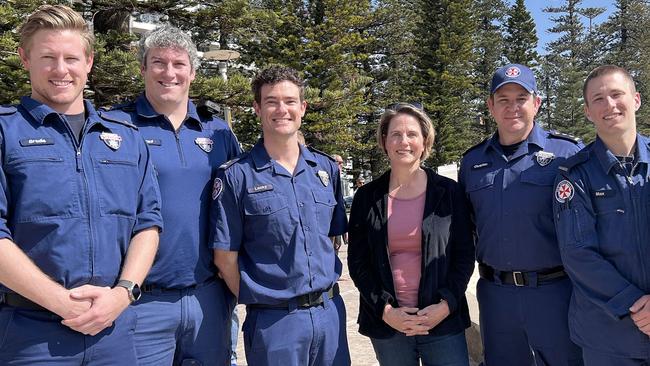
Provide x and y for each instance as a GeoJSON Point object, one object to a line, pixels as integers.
{"type": "Point", "coordinates": [361, 350]}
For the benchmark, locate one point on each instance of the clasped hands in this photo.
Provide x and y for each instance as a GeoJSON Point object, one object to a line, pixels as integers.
{"type": "Point", "coordinates": [414, 321]}
{"type": "Point", "coordinates": [90, 309]}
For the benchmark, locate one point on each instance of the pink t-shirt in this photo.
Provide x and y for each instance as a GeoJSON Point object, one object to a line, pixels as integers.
{"type": "Point", "coordinates": [405, 246]}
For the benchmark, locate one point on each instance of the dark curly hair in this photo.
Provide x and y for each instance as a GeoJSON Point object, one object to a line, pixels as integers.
{"type": "Point", "coordinates": [275, 74]}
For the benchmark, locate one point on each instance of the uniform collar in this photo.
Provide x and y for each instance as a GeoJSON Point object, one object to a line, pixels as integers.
{"type": "Point", "coordinates": [262, 160]}
{"type": "Point", "coordinates": [607, 159]}
{"type": "Point", "coordinates": [537, 136]}
{"type": "Point", "coordinates": [144, 109]}
{"type": "Point", "coordinates": [40, 111]}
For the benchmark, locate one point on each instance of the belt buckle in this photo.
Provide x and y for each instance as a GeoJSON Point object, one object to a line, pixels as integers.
{"type": "Point", "coordinates": [314, 298]}
{"type": "Point", "coordinates": [518, 278]}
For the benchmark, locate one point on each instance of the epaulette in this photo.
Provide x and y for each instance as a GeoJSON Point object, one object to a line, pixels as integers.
{"type": "Point", "coordinates": [207, 107]}
{"type": "Point", "coordinates": [314, 150]}
{"type": "Point", "coordinates": [6, 110]}
{"type": "Point", "coordinates": [477, 145]}
{"type": "Point", "coordinates": [563, 136]}
{"type": "Point", "coordinates": [126, 107]}
{"type": "Point", "coordinates": [230, 162]}
{"type": "Point", "coordinates": [573, 161]}
{"type": "Point", "coordinates": [124, 122]}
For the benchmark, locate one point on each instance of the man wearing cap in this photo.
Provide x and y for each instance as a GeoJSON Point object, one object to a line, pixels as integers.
{"type": "Point", "coordinates": [602, 215]}
{"type": "Point", "coordinates": [523, 292]}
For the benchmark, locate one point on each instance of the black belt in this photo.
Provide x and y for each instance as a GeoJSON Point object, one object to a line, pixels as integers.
{"type": "Point", "coordinates": [18, 301]}
{"type": "Point", "coordinates": [303, 301]}
{"type": "Point", "coordinates": [521, 278]}
{"type": "Point", "coordinates": [154, 288]}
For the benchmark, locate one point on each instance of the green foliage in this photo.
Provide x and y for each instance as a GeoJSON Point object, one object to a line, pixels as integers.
{"type": "Point", "coordinates": [359, 56]}
{"type": "Point", "coordinates": [489, 48]}
{"type": "Point", "coordinates": [444, 65]}
{"type": "Point", "coordinates": [569, 68]}
{"type": "Point", "coordinates": [521, 39]}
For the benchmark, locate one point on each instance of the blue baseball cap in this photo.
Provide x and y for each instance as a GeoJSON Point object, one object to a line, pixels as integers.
{"type": "Point", "coordinates": [514, 73]}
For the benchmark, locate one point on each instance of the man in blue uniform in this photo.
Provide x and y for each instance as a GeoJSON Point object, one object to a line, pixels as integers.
{"type": "Point", "coordinates": [276, 208]}
{"type": "Point", "coordinates": [79, 209]}
{"type": "Point", "coordinates": [602, 213]}
{"type": "Point", "coordinates": [523, 292]}
{"type": "Point", "coordinates": [184, 313]}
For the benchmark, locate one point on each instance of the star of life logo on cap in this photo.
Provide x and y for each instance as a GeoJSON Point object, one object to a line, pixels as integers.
{"type": "Point", "coordinates": [513, 72]}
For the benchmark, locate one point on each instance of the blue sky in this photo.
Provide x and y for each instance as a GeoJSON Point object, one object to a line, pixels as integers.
{"type": "Point", "coordinates": [543, 21]}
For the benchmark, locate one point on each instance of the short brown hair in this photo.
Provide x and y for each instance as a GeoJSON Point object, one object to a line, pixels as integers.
{"type": "Point", "coordinates": [606, 70]}
{"type": "Point", "coordinates": [55, 17]}
{"type": "Point", "coordinates": [428, 132]}
{"type": "Point", "coordinates": [273, 75]}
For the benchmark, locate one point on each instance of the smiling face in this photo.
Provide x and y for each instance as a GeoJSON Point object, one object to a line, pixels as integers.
{"type": "Point", "coordinates": [280, 109]}
{"type": "Point", "coordinates": [404, 143]}
{"type": "Point", "coordinates": [58, 69]}
{"type": "Point", "coordinates": [611, 103]}
{"type": "Point", "coordinates": [514, 110]}
{"type": "Point", "coordinates": [167, 75]}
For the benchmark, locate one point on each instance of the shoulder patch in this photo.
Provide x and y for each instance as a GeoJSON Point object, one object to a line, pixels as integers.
{"type": "Point", "coordinates": [6, 110]}
{"type": "Point", "coordinates": [564, 136]}
{"type": "Point", "coordinates": [314, 150]}
{"type": "Point", "coordinates": [230, 162]}
{"type": "Point", "coordinates": [475, 146]}
{"type": "Point", "coordinates": [121, 121]}
{"type": "Point", "coordinates": [574, 160]}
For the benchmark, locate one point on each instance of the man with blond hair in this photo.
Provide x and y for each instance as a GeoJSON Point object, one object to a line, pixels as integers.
{"type": "Point", "coordinates": [79, 209]}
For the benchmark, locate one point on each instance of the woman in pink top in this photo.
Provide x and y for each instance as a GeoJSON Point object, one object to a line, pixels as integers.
{"type": "Point", "coordinates": [411, 251]}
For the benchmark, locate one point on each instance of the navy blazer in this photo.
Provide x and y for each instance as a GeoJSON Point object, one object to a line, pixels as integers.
{"type": "Point", "coordinates": [447, 254]}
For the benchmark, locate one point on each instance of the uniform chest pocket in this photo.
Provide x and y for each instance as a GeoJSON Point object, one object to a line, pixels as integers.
{"type": "Point", "coordinates": [483, 181]}
{"type": "Point", "coordinates": [117, 182]}
{"type": "Point", "coordinates": [41, 187]}
{"type": "Point", "coordinates": [324, 203]}
{"type": "Point", "coordinates": [480, 189]}
{"type": "Point", "coordinates": [538, 178]}
{"type": "Point", "coordinates": [267, 218]}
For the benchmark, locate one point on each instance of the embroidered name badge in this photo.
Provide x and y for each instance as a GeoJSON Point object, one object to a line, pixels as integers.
{"type": "Point", "coordinates": [217, 188]}
{"type": "Point", "coordinates": [36, 142]}
{"type": "Point", "coordinates": [324, 177]}
{"type": "Point", "coordinates": [604, 193]}
{"type": "Point", "coordinates": [564, 191]}
{"type": "Point", "coordinates": [204, 143]}
{"type": "Point", "coordinates": [112, 140]}
{"type": "Point", "coordinates": [482, 165]}
{"type": "Point", "coordinates": [544, 157]}
{"type": "Point", "coordinates": [153, 142]}
{"type": "Point", "coordinates": [262, 188]}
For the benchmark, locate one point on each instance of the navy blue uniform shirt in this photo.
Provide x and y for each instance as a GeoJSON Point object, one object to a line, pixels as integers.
{"type": "Point", "coordinates": [511, 202]}
{"type": "Point", "coordinates": [185, 162]}
{"type": "Point", "coordinates": [280, 223]}
{"type": "Point", "coordinates": [603, 225]}
{"type": "Point", "coordinates": [74, 208]}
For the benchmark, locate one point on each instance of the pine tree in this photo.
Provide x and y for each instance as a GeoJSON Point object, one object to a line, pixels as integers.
{"type": "Point", "coordinates": [521, 39]}
{"type": "Point", "coordinates": [444, 67]}
{"type": "Point", "coordinates": [569, 57]}
{"type": "Point", "coordinates": [489, 48]}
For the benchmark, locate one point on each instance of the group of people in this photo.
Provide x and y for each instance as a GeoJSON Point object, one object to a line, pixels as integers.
{"type": "Point", "coordinates": [559, 230]}
{"type": "Point", "coordinates": [128, 234]}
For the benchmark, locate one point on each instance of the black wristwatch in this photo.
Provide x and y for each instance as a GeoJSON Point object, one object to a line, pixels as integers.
{"type": "Point", "coordinates": [132, 288]}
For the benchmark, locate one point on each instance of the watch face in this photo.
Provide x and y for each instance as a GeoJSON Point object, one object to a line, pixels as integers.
{"type": "Point", "coordinates": [136, 292]}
